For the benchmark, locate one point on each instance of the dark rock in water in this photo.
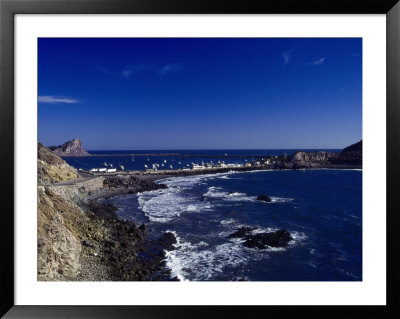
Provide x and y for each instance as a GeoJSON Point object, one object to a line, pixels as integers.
{"type": "Point", "coordinates": [167, 241]}
{"type": "Point", "coordinates": [241, 232]}
{"type": "Point", "coordinates": [280, 238]}
{"type": "Point", "coordinates": [142, 227]}
{"type": "Point", "coordinates": [264, 198]}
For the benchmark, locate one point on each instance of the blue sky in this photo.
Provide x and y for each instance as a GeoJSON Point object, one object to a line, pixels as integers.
{"type": "Point", "coordinates": [204, 93]}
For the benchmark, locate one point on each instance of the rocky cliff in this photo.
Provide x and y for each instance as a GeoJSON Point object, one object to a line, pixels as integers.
{"type": "Point", "coordinates": [82, 240]}
{"type": "Point", "coordinates": [61, 228]}
{"type": "Point", "coordinates": [351, 155]}
{"type": "Point", "coordinates": [52, 168]}
{"type": "Point", "coordinates": [70, 148]}
{"type": "Point", "coordinates": [312, 159]}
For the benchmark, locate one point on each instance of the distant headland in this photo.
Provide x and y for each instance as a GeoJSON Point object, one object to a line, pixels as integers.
{"type": "Point", "coordinates": [70, 148]}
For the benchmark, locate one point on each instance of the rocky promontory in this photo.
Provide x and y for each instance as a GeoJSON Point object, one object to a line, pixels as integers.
{"type": "Point", "coordinates": [351, 155]}
{"type": "Point", "coordinates": [70, 148]}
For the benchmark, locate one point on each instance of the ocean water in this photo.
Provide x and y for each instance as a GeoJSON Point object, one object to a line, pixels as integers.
{"type": "Point", "coordinates": [184, 159]}
{"type": "Point", "coordinates": [322, 209]}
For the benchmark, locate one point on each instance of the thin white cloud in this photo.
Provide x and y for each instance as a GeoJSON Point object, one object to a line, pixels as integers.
{"type": "Point", "coordinates": [286, 58]}
{"type": "Point", "coordinates": [170, 68]}
{"type": "Point", "coordinates": [318, 62]}
{"type": "Point", "coordinates": [130, 69]}
{"type": "Point", "coordinates": [53, 100]}
{"type": "Point", "coordinates": [288, 55]}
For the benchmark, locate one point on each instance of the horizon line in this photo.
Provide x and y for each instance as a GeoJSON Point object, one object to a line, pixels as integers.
{"type": "Point", "coordinates": [219, 149]}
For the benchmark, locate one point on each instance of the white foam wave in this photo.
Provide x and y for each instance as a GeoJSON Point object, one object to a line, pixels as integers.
{"type": "Point", "coordinates": [216, 192]}
{"type": "Point", "coordinates": [199, 263]}
{"type": "Point", "coordinates": [227, 221]}
{"type": "Point", "coordinates": [280, 199]}
{"type": "Point", "coordinates": [189, 181]}
{"type": "Point", "coordinates": [168, 204]}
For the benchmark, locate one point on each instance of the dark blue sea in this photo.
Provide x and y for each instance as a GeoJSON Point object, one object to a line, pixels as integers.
{"type": "Point", "coordinates": [322, 209]}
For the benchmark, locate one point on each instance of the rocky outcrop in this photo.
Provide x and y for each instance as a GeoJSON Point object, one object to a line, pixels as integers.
{"type": "Point", "coordinates": [70, 148]}
{"type": "Point", "coordinates": [132, 183]}
{"type": "Point", "coordinates": [52, 168]}
{"type": "Point", "coordinates": [312, 159]}
{"type": "Point", "coordinates": [351, 155]}
{"type": "Point", "coordinates": [264, 198]}
{"type": "Point", "coordinates": [279, 238]}
{"type": "Point", "coordinates": [126, 251]}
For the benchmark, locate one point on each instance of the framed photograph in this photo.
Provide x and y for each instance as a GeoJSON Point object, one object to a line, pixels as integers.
{"type": "Point", "coordinates": [197, 159]}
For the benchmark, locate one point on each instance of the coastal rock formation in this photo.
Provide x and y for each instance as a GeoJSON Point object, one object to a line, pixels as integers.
{"type": "Point", "coordinates": [351, 155]}
{"type": "Point", "coordinates": [279, 238]}
{"type": "Point", "coordinates": [241, 232]}
{"type": "Point", "coordinates": [70, 148]}
{"type": "Point", "coordinates": [83, 240]}
{"type": "Point", "coordinates": [312, 159]}
{"type": "Point", "coordinates": [264, 198]}
{"type": "Point", "coordinates": [52, 168]}
{"type": "Point", "coordinates": [132, 183]}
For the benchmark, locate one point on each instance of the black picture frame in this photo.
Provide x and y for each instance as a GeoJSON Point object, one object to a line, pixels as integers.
{"type": "Point", "coordinates": [8, 8]}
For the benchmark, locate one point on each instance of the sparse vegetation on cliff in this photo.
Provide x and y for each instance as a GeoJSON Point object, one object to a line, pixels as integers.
{"type": "Point", "coordinates": [52, 168]}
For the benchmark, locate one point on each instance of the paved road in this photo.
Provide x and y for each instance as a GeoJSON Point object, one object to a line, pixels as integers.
{"type": "Point", "coordinates": [75, 181]}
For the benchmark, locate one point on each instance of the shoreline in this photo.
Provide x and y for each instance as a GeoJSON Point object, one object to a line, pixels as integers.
{"type": "Point", "coordinates": [150, 178]}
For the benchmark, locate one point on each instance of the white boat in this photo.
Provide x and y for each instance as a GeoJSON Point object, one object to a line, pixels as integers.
{"type": "Point", "coordinates": [105, 164]}
{"type": "Point", "coordinates": [197, 166]}
{"type": "Point", "coordinates": [121, 167]}
{"type": "Point", "coordinates": [171, 167]}
{"type": "Point", "coordinates": [145, 166]}
{"type": "Point", "coordinates": [165, 161]}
